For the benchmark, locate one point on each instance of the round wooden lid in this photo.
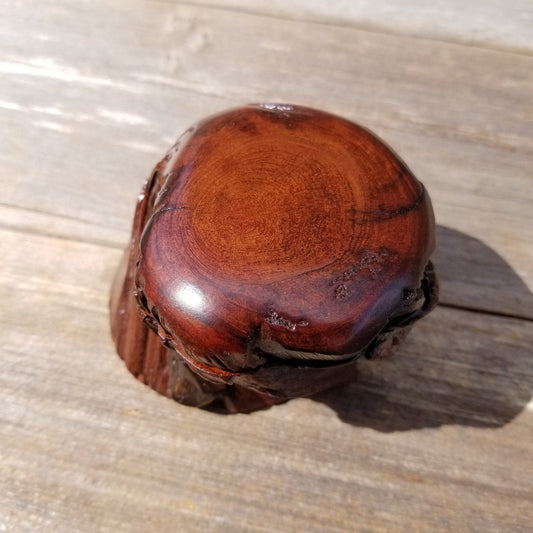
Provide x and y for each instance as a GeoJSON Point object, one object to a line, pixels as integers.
{"type": "Point", "coordinates": [281, 231]}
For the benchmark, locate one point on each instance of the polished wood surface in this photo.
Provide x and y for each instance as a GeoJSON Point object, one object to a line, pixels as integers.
{"type": "Point", "coordinates": [271, 244]}
{"type": "Point", "coordinates": [436, 438]}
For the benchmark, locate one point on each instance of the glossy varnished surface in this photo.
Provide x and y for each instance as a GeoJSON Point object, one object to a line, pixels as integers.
{"type": "Point", "coordinates": [274, 235]}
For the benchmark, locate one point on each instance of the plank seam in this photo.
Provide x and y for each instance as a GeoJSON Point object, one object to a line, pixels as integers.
{"type": "Point", "coordinates": [482, 311]}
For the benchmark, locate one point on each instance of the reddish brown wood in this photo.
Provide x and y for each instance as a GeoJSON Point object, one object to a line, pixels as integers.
{"type": "Point", "coordinates": [272, 246]}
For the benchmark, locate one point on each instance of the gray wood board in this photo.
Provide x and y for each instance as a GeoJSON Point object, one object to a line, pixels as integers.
{"type": "Point", "coordinates": [437, 439]}
{"type": "Point", "coordinates": [83, 129]}
{"type": "Point", "coordinates": [488, 23]}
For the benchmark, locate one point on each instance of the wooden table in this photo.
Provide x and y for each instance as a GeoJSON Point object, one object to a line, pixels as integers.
{"type": "Point", "coordinates": [438, 439]}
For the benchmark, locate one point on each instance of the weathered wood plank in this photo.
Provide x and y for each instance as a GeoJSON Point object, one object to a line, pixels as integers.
{"type": "Point", "coordinates": [474, 276]}
{"type": "Point", "coordinates": [490, 23]}
{"type": "Point", "coordinates": [437, 439]}
{"type": "Point", "coordinates": [81, 133]}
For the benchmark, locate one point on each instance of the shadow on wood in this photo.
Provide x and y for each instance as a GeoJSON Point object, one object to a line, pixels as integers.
{"type": "Point", "coordinates": [459, 366]}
